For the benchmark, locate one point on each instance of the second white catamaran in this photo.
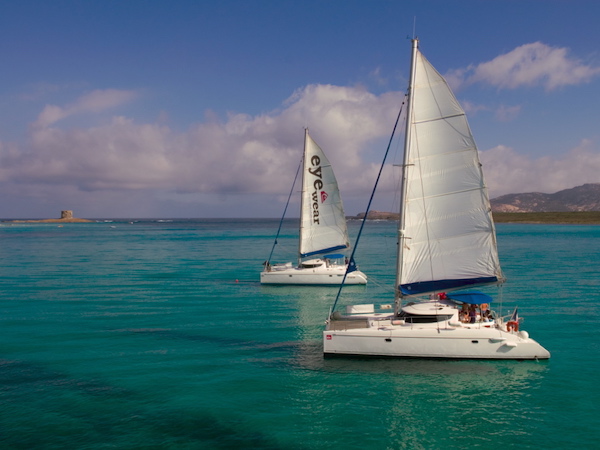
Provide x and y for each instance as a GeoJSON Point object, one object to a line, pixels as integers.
{"type": "Point", "coordinates": [323, 231]}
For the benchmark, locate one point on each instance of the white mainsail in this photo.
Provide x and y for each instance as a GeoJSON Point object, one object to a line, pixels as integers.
{"type": "Point", "coordinates": [447, 232]}
{"type": "Point", "coordinates": [323, 223]}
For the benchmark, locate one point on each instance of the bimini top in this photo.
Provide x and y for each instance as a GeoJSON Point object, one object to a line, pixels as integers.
{"type": "Point", "coordinates": [335, 256]}
{"type": "Point", "coordinates": [472, 298]}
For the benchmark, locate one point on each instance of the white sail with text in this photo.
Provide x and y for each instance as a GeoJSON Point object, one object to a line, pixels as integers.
{"type": "Point", "coordinates": [323, 235]}
{"type": "Point", "coordinates": [323, 223]}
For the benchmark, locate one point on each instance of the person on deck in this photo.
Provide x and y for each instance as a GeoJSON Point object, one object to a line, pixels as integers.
{"type": "Point", "coordinates": [464, 313]}
{"type": "Point", "coordinates": [473, 314]}
{"type": "Point", "coordinates": [486, 314]}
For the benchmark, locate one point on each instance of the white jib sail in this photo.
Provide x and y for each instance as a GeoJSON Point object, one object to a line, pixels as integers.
{"type": "Point", "coordinates": [448, 227]}
{"type": "Point", "coordinates": [323, 223]}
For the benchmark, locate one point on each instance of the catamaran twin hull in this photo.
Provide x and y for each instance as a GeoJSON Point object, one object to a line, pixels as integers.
{"type": "Point", "coordinates": [313, 276]}
{"type": "Point", "coordinates": [383, 339]}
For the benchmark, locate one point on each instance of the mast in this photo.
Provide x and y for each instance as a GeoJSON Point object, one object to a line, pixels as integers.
{"type": "Point", "coordinates": [302, 195]}
{"type": "Point", "coordinates": [407, 139]}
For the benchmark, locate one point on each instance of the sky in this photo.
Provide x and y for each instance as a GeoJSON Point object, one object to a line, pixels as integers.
{"type": "Point", "coordinates": [197, 109]}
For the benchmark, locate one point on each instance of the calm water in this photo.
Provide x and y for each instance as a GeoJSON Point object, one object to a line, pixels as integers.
{"type": "Point", "coordinates": [158, 335]}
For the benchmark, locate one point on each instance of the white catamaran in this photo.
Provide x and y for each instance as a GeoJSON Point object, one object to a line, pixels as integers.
{"type": "Point", "coordinates": [446, 242]}
{"type": "Point", "coordinates": [323, 229]}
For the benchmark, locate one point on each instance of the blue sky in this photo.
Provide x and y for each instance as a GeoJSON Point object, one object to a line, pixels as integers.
{"type": "Point", "coordinates": [197, 108]}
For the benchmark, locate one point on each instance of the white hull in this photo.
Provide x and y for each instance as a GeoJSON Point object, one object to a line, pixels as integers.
{"type": "Point", "coordinates": [381, 336]}
{"type": "Point", "coordinates": [313, 276]}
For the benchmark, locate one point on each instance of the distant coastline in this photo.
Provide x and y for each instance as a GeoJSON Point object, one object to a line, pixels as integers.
{"type": "Point", "coordinates": [571, 217]}
{"type": "Point", "coordinates": [66, 216]}
{"type": "Point", "coordinates": [73, 220]}
{"type": "Point", "coordinates": [574, 218]}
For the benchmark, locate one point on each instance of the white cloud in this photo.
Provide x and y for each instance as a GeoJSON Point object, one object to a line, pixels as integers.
{"type": "Point", "coordinates": [96, 101]}
{"type": "Point", "coordinates": [507, 113]}
{"type": "Point", "coordinates": [377, 76]}
{"type": "Point", "coordinates": [243, 154]}
{"type": "Point", "coordinates": [471, 108]}
{"type": "Point", "coordinates": [508, 172]}
{"type": "Point", "coordinates": [534, 64]}
{"type": "Point", "coordinates": [124, 168]}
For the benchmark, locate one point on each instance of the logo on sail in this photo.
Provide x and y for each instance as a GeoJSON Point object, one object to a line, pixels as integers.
{"type": "Point", "coordinates": [316, 171]}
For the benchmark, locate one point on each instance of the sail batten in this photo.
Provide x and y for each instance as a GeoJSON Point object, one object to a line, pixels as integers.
{"type": "Point", "coordinates": [439, 118]}
{"type": "Point", "coordinates": [448, 194]}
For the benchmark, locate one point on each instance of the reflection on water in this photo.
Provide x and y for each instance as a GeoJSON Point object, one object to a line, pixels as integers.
{"type": "Point", "coordinates": [419, 403]}
{"type": "Point", "coordinates": [424, 403]}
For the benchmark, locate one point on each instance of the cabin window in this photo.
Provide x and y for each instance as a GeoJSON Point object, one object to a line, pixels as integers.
{"type": "Point", "coordinates": [413, 318]}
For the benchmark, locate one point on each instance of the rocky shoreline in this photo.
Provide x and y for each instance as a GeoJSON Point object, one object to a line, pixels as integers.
{"type": "Point", "coordinates": [73, 220]}
{"type": "Point", "coordinates": [571, 217]}
{"type": "Point", "coordinates": [376, 215]}
{"type": "Point", "coordinates": [66, 216]}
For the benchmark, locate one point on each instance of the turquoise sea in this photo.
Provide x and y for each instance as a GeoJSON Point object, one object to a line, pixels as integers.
{"type": "Point", "coordinates": [157, 335]}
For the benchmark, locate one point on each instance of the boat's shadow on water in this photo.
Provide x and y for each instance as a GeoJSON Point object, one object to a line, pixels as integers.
{"type": "Point", "coordinates": [308, 355]}
{"type": "Point", "coordinates": [478, 374]}
{"type": "Point", "coordinates": [408, 366]}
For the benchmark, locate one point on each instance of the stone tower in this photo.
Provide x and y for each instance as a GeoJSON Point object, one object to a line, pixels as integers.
{"type": "Point", "coordinates": [68, 214]}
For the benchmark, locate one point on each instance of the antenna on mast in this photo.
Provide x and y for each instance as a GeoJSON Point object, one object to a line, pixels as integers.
{"type": "Point", "coordinates": [414, 27]}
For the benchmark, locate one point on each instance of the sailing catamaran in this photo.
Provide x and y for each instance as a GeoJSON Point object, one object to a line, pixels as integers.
{"type": "Point", "coordinates": [323, 230]}
{"type": "Point", "coordinates": [446, 242]}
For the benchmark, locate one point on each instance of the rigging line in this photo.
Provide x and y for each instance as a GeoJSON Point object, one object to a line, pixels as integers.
{"type": "Point", "coordinates": [385, 286]}
{"type": "Point", "coordinates": [362, 225]}
{"type": "Point", "coordinates": [284, 210]}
